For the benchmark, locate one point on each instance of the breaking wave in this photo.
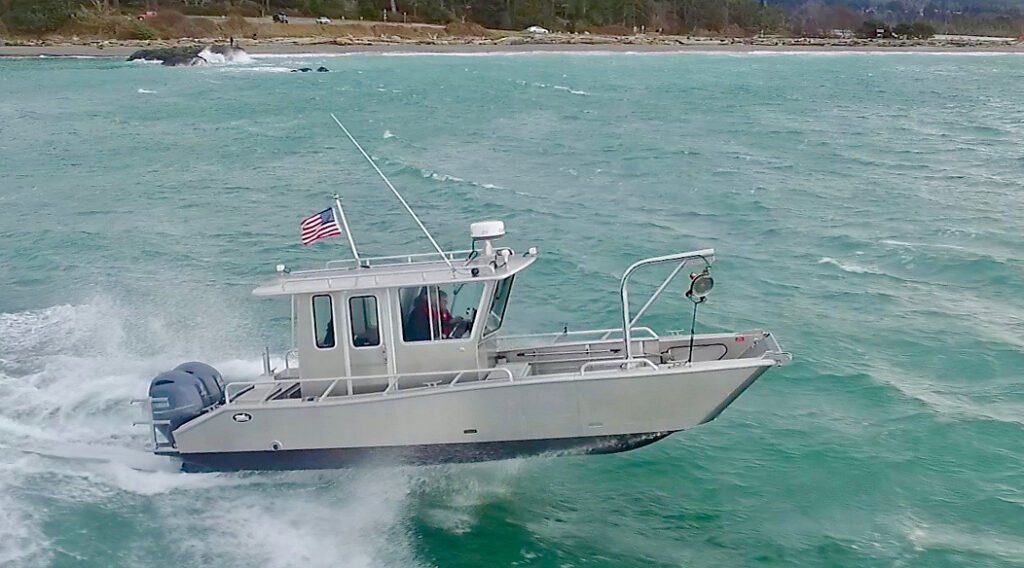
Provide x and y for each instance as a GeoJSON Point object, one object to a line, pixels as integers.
{"type": "Point", "coordinates": [228, 56]}
{"type": "Point", "coordinates": [847, 267]}
{"type": "Point", "coordinates": [436, 176]}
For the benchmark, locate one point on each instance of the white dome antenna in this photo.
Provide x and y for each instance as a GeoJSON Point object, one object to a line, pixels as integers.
{"type": "Point", "coordinates": [487, 232]}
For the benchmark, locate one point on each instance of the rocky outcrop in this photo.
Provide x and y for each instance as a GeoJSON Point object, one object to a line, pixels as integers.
{"type": "Point", "coordinates": [186, 56]}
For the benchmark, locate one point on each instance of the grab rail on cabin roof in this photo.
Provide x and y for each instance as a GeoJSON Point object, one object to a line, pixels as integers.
{"type": "Point", "coordinates": [408, 263]}
{"type": "Point", "coordinates": [393, 382]}
{"type": "Point", "coordinates": [417, 258]}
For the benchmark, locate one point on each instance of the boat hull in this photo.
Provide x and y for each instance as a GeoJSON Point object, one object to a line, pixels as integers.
{"type": "Point", "coordinates": [383, 456]}
{"type": "Point", "coordinates": [599, 413]}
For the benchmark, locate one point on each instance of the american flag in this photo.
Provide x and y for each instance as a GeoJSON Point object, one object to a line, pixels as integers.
{"type": "Point", "coordinates": [320, 226]}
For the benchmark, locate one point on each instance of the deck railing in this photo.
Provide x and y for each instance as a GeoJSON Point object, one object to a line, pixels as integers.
{"type": "Point", "coordinates": [444, 378]}
{"type": "Point", "coordinates": [557, 337]}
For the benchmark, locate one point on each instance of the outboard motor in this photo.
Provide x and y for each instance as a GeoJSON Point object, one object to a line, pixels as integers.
{"type": "Point", "coordinates": [211, 378]}
{"type": "Point", "coordinates": [180, 397]}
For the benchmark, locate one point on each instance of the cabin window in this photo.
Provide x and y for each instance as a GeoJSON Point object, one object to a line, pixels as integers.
{"type": "Point", "coordinates": [323, 322]}
{"type": "Point", "coordinates": [496, 313]}
{"type": "Point", "coordinates": [363, 313]}
{"type": "Point", "coordinates": [435, 313]}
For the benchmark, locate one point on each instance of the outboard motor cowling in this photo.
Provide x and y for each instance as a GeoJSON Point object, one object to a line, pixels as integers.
{"type": "Point", "coordinates": [178, 397]}
{"type": "Point", "coordinates": [211, 378]}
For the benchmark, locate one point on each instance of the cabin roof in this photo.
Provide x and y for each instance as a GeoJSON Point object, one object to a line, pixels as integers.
{"type": "Point", "coordinates": [396, 272]}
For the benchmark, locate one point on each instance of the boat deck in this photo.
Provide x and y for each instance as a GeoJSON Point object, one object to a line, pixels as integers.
{"type": "Point", "coordinates": [545, 356]}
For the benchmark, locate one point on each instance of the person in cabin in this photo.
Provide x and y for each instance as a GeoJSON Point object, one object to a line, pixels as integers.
{"type": "Point", "coordinates": [327, 341]}
{"type": "Point", "coordinates": [420, 319]}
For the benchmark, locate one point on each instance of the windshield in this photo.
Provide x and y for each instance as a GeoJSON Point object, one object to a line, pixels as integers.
{"type": "Point", "coordinates": [496, 314]}
{"type": "Point", "coordinates": [433, 313]}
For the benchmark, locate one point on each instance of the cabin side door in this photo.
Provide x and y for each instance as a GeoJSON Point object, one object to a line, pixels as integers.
{"type": "Point", "coordinates": [367, 339]}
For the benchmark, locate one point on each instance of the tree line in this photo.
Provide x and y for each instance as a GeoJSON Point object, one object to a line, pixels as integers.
{"type": "Point", "coordinates": [696, 17]}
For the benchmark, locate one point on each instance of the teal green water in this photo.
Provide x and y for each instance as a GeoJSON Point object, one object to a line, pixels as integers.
{"type": "Point", "coordinates": [865, 208]}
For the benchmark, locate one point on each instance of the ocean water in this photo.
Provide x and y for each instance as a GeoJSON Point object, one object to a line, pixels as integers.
{"type": "Point", "coordinates": [867, 208]}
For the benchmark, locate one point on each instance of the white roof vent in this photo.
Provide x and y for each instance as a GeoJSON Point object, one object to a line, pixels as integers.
{"type": "Point", "coordinates": [487, 230]}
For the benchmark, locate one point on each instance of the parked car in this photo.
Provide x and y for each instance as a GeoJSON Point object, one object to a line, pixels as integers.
{"type": "Point", "coordinates": [280, 18]}
{"type": "Point", "coordinates": [147, 16]}
{"type": "Point", "coordinates": [536, 30]}
{"type": "Point", "coordinates": [323, 20]}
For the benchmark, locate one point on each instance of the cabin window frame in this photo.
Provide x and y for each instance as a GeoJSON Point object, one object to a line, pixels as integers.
{"type": "Point", "coordinates": [504, 307]}
{"type": "Point", "coordinates": [438, 340]}
{"type": "Point", "coordinates": [351, 321]}
{"type": "Point", "coordinates": [333, 320]}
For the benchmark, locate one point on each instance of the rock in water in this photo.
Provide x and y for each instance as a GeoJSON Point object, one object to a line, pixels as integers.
{"type": "Point", "coordinates": [164, 53]}
{"type": "Point", "coordinates": [182, 61]}
{"type": "Point", "coordinates": [189, 55]}
{"type": "Point", "coordinates": [322, 69]}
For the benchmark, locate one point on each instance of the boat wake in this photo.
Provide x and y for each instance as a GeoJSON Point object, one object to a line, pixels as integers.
{"type": "Point", "coordinates": [71, 454]}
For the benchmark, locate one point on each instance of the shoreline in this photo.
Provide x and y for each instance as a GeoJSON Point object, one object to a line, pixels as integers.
{"type": "Point", "coordinates": [341, 46]}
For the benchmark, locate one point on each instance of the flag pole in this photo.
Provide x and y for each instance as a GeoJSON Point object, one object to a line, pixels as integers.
{"type": "Point", "coordinates": [344, 224]}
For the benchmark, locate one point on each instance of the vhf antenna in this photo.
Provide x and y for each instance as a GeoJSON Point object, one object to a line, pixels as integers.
{"type": "Point", "coordinates": [395, 191]}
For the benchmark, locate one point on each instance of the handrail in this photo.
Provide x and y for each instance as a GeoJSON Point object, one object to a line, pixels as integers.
{"type": "Point", "coordinates": [508, 373]}
{"type": "Point", "coordinates": [367, 261]}
{"type": "Point", "coordinates": [152, 423]}
{"type": "Point", "coordinates": [393, 380]}
{"type": "Point", "coordinates": [287, 358]}
{"type": "Point", "coordinates": [607, 332]}
{"type": "Point", "coordinates": [707, 255]}
{"type": "Point", "coordinates": [628, 363]}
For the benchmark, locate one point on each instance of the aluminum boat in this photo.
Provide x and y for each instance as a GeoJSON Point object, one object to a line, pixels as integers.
{"type": "Point", "coordinates": [382, 372]}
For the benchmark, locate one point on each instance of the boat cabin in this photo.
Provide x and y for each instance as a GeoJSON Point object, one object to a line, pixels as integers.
{"type": "Point", "coordinates": [387, 316]}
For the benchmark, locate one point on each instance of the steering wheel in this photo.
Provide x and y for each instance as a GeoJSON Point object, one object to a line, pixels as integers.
{"type": "Point", "coordinates": [462, 326]}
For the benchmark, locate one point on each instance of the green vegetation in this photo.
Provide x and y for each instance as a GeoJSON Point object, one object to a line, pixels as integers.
{"type": "Point", "coordinates": [879, 29]}
{"type": "Point", "coordinates": [36, 16]}
{"type": "Point", "coordinates": [915, 19]}
{"type": "Point", "coordinates": [916, 30]}
{"type": "Point", "coordinates": [871, 29]}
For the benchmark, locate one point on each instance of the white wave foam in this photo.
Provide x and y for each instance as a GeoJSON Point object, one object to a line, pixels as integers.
{"type": "Point", "coordinates": [948, 400]}
{"type": "Point", "coordinates": [230, 56]}
{"type": "Point", "coordinates": [257, 69]}
{"type": "Point", "coordinates": [923, 245]}
{"type": "Point", "coordinates": [847, 267]}
{"type": "Point", "coordinates": [22, 542]}
{"type": "Point", "coordinates": [570, 90]}
{"type": "Point", "coordinates": [925, 537]}
{"type": "Point", "coordinates": [66, 375]}
{"type": "Point", "coordinates": [960, 405]}
{"type": "Point", "coordinates": [448, 178]}
{"type": "Point", "coordinates": [146, 92]}
{"type": "Point", "coordinates": [453, 495]}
